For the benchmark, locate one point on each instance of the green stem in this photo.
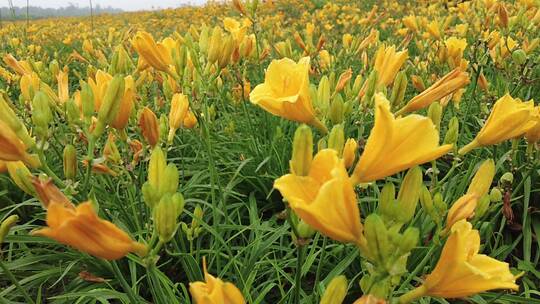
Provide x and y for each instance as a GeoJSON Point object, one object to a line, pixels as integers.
{"type": "Point", "coordinates": [298, 280]}
{"type": "Point", "coordinates": [413, 295]}
{"type": "Point", "coordinates": [48, 170]}
{"type": "Point", "coordinates": [89, 158]}
{"type": "Point", "coordinates": [118, 274]}
{"type": "Point", "coordinates": [16, 283]}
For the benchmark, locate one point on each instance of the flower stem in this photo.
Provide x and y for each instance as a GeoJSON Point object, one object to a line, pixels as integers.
{"type": "Point", "coordinates": [298, 280]}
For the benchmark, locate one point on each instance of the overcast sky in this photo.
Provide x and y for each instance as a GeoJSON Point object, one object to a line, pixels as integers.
{"type": "Point", "coordinates": [128, 5]}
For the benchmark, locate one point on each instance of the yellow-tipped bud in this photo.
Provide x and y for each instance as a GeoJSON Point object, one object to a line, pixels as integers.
{"type": "Point", "coordinates": [70, 162]}
{"type": "Point", "coordinates": [6, 225]}
{"type": "Point", "coordinates": [349, 152]}
{"type": "Point", "coordinates": [149, 125]}
{"type": "Point", "coordinates": [166, 214]}
{"type": "Point", "coordinates": [302, 153]}
{"type": "Point", "coordinates": [409, 193]}
{"type": "Point", "coordinates": [110, 105]}
{"type": "Point", "coordinates": [335, 291]}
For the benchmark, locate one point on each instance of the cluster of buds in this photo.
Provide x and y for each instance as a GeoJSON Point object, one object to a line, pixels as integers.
{"type": "Point", "coordinates": [160, 194]}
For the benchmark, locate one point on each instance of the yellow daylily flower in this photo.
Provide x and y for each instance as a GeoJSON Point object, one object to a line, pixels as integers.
{"type": "Point", "coordinates": [325, 198]}
{"type": "Point", "coordinates": [445, 86]}
{"type": "Point", "coordinates": [387, 63]}
{"type": "Point", "coordinates": [84, 230]}
{"type": "Point", "coordinates": [454, 49]}
{"type": "Point", "coordinates": [155, 54]}
{"type": "Point", "coordinates": [509, 118]}
{"type": "Point", "coordinates": [215, 291]}
{"type": "Point", "coordinates": [462, 271]}
{"type": "Point", "coordinates": [397, 144]}
{"type": "Point", "coordinates": [533, 134]}
{"type": "Point", "coordinates": [63, 86]}
{"type": "Point", "coordinates": [285, 92]}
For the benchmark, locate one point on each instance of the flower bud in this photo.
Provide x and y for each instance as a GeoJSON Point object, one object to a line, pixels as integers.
{"type": "Point", "coordinates": [41, 114]}
{"type": "Point", "coordinates": [21, 176]}
{"type": "Point", "coordinates": [482, 207]}
{"type": "Point", "coordinates": [177, 114]}
{"type": "Point", "coordinates": [427, 204]}
{"type": "Point", "coordinates": [349, 152]}
{"type": "Point", "coordinates": [452, 133]}
{"type": "Point", "coordinates": [87, 101]}
{"type": "Point", "coordinates": [387, 198]}
{"type": "Point", "coordinates": [398, 90]}
{"type": "Point", "coordinates": [149, 125]}
{"type": "Point", "coordinates": [482, 82]}
{"type": "Point", "coordinates": [302, 153]}
{"type": "Point", "coordinates": [336, 139]}
{"type": "Point", "coordinates": [156, 166]}
{"type": "Point", "coordinates": [409, 240]}
{"type": "Point", "coordinates": [335, 291]}
{"type": "Point", "coordinates": [336, 110]}
{"type": "Point", "coordinates": [121, 119]}
{"type": "Point", "coordinates": [215, 44]}
{"type": "Point", "coordinates": [110, 150]}
{"type": "Point", "coordinates": [169, 180]}
{"type": "Point", "coordinates": [481, 181]}
{"type": "Point", "coordinates": [409, 193]}
{"type": "Point", "coordinates": [371, 87]}
{"type": "Point", "coordinates": [507, 179]}
{"type": "Point", "coordinates": [8, 116]}
{"type": "Point", "coordinates": [502, 14]}
{"type": "Point", "coordinates": [323, 93]}
{"type": "Point", "coordinates": [495, 195]}
{"type": "Point", "coordinates": [435, 112]}
{"type": "Point", "coordinates": [166, 215]}
{"type": "Point", "coordinates": [519, 56]}
{"type": "Point", "coordinates": [9, 222]}
{"type": "Point", "coordinates": [110, 105]}
{"type": "Point", "coordinates": [226, 51]}
{"type": "Point", "coordinates": [376, 234]}
{"type": "Point", "coordinates": [440, 205]}
{"type": "Point", "coordinates": [73, 112]}
{"type": "Point", "coordinates": [70, 162]}
{"type": "Point", "coordinates": [305, 231]}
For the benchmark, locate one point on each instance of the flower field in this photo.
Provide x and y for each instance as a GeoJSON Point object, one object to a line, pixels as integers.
{"type": "Point", "coordinates": [366, 152]}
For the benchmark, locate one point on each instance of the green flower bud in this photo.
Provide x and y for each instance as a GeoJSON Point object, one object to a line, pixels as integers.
{"type": "Point", "coordinates": [335, 291]}
{"type": "Point", "coordinates": [439, 204]}
{"type": "Point", "coordinates": [41, 114]}
{"type": "Point", "coordinates": [387, 200]}
{"type": "Point", "coordinates": [150, 195]}
{"type": "Point", "coordinates": [409, 240]}
{"type": "Point", "coordinates": [427, 204]}
{"type": "Point", "coordinates": [336, 139]}
{"type": "Point", "coordinates": [305, 231]}
{"type": "Point", "coordinates": [323, 93]}
{"type": "Point", "coordinates": [376, 235]}
{"type": "Point", "coordinates": [70, 162]}
{"type": "Point", "coordinates": [452, 134]}
{"type": "Point", "coordinates": [302, 153]}
{"type": "Point", "coordinates": [495, 195]}
{"type": "Point", "coordinates": [409, 193]}
{"type": "Point", "coordinates": [6, 225]}
{"type": "Point", "coordinates": [87, 100]}
{"type": "Point", "coordinates": [482, 207]}
{"type": "Point", "coordinates": [398, 90]}
{"type": "Point", "coordinates": [507, 179]}
{"type": "Point", "coordinates": [8, 116]}
{"type": "Point", "coordinates": [371, 87]}
{"type": "Point", "coordinates": [336, 113]}
{"type": "Point", "coordinates": [435, 112]}
{"type": "Point", "coordinates": [166, 215]}
{"type": "Point", "coordinates": [169, 180]}
{"type": "Point", "coordinates": [156, 166]}
{"type": "Point", "coordinates": [519, 56]}
{"type": "Point", "coordinates": [73, 113]}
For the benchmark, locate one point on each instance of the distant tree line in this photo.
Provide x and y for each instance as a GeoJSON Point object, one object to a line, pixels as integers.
{"type": "Point", "coordinates": [34, 12]}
